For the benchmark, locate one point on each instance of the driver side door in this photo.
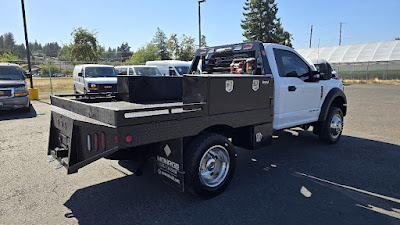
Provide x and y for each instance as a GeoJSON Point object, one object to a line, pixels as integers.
{"type": "Point", "coordinates": [302, 98]}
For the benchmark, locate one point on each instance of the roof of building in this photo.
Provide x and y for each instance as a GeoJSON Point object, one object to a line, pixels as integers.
{"type": "Point", "coordinates": [369, 52]}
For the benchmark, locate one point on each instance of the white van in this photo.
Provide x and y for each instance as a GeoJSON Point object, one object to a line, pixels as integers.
{"type": "Point", "coordinates": [94, 78]}
{"type": "Point", "coordinates": [138, 70]}
{"type": "Point", "coordinates": [171, 67]}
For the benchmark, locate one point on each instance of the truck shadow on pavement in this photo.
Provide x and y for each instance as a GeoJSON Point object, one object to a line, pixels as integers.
{"type": "Point", "coordinates": [17, 114]}
{"type": "Point", "coordinates": [297, 180]}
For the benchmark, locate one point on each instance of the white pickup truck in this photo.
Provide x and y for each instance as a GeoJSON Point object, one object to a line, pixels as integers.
{"type": "Point", "coordinates": [302, 97]}
{"type": "Point", "coordinates": [235, 95]}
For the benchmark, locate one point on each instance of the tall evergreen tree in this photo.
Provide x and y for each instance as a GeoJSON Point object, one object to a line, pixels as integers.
{"type": "Point", "coordinates": [160, 40]}
{"type": "Point", "coordinates": [9, 41]}
{"type": "Point", "coordinates": [124, 51]}
{"type": "Point", "coordinates": [1, 42]}
{"type": "Point", "coordinates": [261, 24]}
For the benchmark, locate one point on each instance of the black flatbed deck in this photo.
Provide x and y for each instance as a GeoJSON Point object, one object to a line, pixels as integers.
{"type": "Point", "coordinates": [241, 104]}
{"type": "Point", "coordinates": [110, 110]}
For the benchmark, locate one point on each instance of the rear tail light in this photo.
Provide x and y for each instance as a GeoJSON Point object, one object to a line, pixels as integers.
{"type": "Point", "coordinates": [203, 51]}
{"type": "Point", "coordinates": [248, 46]}
{"type": "Point", "coordinates": [95, 142]}
{"type": "Point", "coordinates": [128, 139]}
{"type": "Point", "coordinates": [116, 139]}
{"type": "Point", "coordinates": [89, 143]}
{"type": "Point", "coordinates": [102, 141]}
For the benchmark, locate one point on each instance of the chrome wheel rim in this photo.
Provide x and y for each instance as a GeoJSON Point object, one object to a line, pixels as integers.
{"type": "Point", "coordinates": [336, 126]}
{"type": "Point", "coordinates": [214, 166]}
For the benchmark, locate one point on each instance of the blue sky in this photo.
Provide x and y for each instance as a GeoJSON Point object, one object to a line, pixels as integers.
{"type": "Point", "coordinates": [136, 21]}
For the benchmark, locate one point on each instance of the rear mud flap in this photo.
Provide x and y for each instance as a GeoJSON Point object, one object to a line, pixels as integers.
{"type": "Point", "coordinates": [169, 163]}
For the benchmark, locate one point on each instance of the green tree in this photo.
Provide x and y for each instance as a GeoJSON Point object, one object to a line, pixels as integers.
{"type": "Point", "coordinates": [19, 50]}
{"type": "Point", "coordinates": [144, 54]}
{"type": "Point", "coordinates": [51, 49]}
{"type": "Point", "coordinates": [63, 53]}
{"type": "Point", "coordinates": [9, 41]}
{"type": "Point", "coordinates": [35, 47]}
{"type": "Point", "coordinates": [398, 38]}
{"type": "Point", "coordinates": [7, 56]}
{"type": "Point", "coordinates": [66, 72]}
{"type": "Point", "coordinates": [187, 48]}
{"type": "Point", "coordinates": [1, 42]}
{"type": "Point", "coordinates": [84, 46]}
{"type": "Point", "coordinates": [173, 46]}
{"type": "Point", "coordinates": [124, 51]}
{"type": "Point", "coordinates": [261, 24]}
{"type": "Point", "coordinates": [45, 69]}
{"type": "Point", "coordinates": [203, 41]}
{"type": "Point", "coordinates": [160, 40]}
{"type": "Point", "coordinates": [183, 48]}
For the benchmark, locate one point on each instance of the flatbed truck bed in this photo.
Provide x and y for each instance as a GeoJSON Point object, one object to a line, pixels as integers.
{"type": "Point", "coordinates": [85, 128]}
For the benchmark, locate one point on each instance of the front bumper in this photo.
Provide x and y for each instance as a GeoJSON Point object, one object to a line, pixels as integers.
{"type": "Point", "coordinates": [14, 102]}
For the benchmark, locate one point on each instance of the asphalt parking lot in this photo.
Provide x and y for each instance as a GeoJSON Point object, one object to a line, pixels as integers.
{"type": "Point", "coordinates": [297, 180]}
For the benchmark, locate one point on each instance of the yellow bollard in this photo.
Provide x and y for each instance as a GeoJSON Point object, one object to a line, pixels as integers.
{"type": "Point", "coordinates": [33, 94]}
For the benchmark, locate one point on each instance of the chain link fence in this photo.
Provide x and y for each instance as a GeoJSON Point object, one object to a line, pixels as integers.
{"type": "Point", "coordinates": [386, 70]}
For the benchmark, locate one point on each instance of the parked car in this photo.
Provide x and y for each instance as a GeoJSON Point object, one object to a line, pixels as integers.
{"type": "Point", "coordinates": [93, 78]}
{"type": "Point", "coordinates": [324, 67]}
{"type": "Point", "coordinates": [171, 67]}
{"type": "Point", "coordinates": [192, 139]}
{"type": "Point", "coordinates": [138, 70]}
{"type": "Point", "coordinates": [13, 91]}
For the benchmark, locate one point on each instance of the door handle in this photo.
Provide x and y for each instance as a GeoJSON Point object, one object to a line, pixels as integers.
{"type": "Point", "coordinates": [292, 88]}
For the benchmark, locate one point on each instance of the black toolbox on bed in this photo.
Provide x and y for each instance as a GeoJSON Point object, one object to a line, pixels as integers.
{"type": "Point", "coordinates": [229, 93]}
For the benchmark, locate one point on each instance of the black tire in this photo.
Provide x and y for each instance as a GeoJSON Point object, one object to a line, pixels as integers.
{"type": "Point", "coordinates": [329, 134]}
{"type": "Point", "coordinates": [193, 155]}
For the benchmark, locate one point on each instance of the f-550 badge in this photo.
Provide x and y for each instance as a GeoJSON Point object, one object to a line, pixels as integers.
{"type": "Point", "coordinates": [229, 86]}
{"type": "Point", "coordinates": [256, 85]}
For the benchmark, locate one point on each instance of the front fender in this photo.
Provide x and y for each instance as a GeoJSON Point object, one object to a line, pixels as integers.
{"type": "Point", "coordinates": [336, 98]}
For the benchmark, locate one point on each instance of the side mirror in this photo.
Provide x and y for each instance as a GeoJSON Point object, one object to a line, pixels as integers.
{"type": "Point", "coordinates": [80, 74]}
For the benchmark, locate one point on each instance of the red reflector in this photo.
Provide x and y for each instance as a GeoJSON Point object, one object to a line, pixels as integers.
{"type": "Point", "coordinates": [128, 139]}
{"type": "Point", "coordinates": [203, 51]}
{"type": "Point", "coordinates": [116, 139]}
{"type": "Point", "coordinates": [95, 140]}
{"type": "Point", "coordinates": [103, 141]}
{"type": "Point", "coordinates": [248, 46]}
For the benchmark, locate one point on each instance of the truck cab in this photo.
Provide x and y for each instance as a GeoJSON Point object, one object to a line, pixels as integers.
{"type": "Point", "coordinates": [302, 95]}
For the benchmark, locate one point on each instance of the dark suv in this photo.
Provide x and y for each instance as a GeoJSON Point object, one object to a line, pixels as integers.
{"type": "Point", "coordinates": [13, 91]}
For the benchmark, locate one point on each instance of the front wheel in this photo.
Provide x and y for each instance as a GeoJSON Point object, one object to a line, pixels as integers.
{"type": "Point", "coordinates": [210, 161]}
{"type": "Point", "coordinates": [332, 127]}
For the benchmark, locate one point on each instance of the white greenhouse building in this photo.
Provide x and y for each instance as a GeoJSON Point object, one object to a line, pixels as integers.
{"type": "Point", "coordinates": [361, 61]}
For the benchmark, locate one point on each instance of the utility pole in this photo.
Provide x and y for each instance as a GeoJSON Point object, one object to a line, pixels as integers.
{"type": "Point", "coordinates": [200, 1]}
{"type": "Point", "coordinates": [340, 34]}
{"type": "Point", "coordinates": [28, 55]}
{"type": "Point", "coordinates": [311, 35]}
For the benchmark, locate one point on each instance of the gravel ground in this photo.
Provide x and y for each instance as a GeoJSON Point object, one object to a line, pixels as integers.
{"type": "Point", "coordinates": [297, 180]}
